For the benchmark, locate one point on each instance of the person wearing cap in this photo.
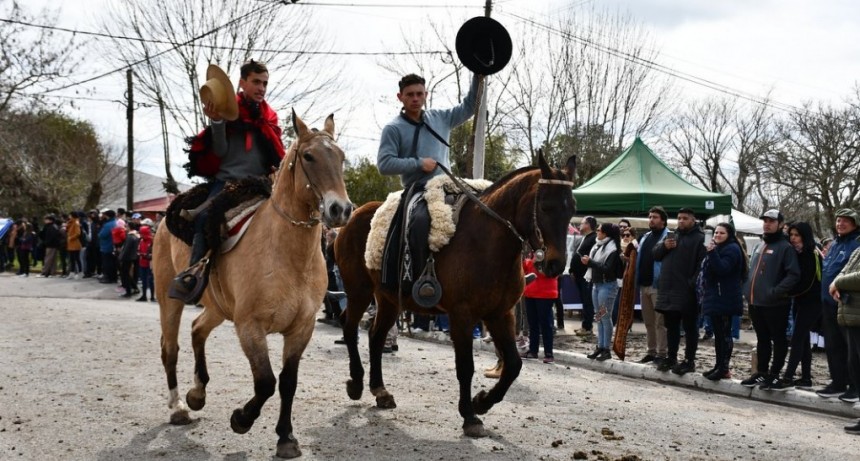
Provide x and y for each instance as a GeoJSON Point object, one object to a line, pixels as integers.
{"type": "Point", "coordinates": [243, 140]}
{"type": "Point", "coordinates": [835, 344]}
{"type": "Point", "coordinates": [845, 290]}
{"type": "Point", "coordinates": [681, 253]}
{"type": "Point", "coordinates": [774, 272]}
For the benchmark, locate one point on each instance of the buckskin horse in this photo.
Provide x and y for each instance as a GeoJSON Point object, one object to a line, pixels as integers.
{"type": "Point", "coordinates": [480, 271]}
{"type": "Point", "coordinates": [273, 281]}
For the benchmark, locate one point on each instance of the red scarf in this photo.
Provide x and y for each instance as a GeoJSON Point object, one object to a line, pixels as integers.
{"type": "Point", "coordinates": [203, 162]}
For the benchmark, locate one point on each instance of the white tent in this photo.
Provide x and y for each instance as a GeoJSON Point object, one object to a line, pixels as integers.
{"type": "Point", "coordinates": [742, 222]}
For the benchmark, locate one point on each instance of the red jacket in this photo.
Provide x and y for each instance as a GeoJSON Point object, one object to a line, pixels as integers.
{"type": "Point", "coordinates": [144, 248]}
{"type": "Point", "coordinates": [543, 287]}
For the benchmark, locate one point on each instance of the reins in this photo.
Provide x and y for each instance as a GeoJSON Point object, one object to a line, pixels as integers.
{"type": "Point", "coordinates": [313, 219]}
{"type": "Point", "coordinates": [540, 253]}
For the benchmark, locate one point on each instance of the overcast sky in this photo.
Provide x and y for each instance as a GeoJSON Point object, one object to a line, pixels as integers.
{"type": "Point", "coordinates": [801, 49]}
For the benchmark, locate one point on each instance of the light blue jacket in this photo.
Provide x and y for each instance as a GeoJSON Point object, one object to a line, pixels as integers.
{"type": "Point", "coordinates": [396, 154]}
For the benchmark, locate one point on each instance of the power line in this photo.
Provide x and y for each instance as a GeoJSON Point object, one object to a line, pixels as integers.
{"type": "Point", "coordinates": [218, 47]}
{"type": "Point", "coordinates": [175, 47]}
{"type": "Point", "coordinates": [661, 68]}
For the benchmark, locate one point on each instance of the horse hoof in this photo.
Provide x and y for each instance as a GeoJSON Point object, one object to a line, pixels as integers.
{"type": "Point", "coordinates": [475, 430]}
{"type": "Point", "coordinates": [289, 449]}
{"type": "Point", "coordinates": [354, 389]}
{"type": "Point", "coordinates": [386, 401]}
{"type": "Point", "coordinates": [180, 418]}
{"type": "Point", "coordinates": [238, 426]}
{"type": "Point", "coordinates": [479, 403]}
{"type": "Point", "coordinates": [196, 399]}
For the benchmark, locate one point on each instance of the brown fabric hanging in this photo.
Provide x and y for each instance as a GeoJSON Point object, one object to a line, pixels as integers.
{"type": "Point", "coordinates": [625, 304]}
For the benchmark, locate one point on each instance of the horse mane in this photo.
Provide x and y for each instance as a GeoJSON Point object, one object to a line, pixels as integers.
{"type": "Point", "coordinates": [505, 180]}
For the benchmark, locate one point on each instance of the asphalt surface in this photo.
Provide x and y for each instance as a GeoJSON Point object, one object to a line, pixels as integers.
{"type": "Point", "coordinates": [81, 378]}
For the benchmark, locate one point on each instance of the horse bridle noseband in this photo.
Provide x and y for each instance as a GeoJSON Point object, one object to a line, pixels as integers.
{"type": "Point", "coordinates": [315, 215]}
{"type": "Point", "coordinates": [540, 253]}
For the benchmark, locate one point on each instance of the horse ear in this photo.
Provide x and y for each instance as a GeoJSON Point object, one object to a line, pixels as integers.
{"type": "Point", "coordinates": [545, 170]}
{"type": "Point", "coordinates": [570, 167]}
{"type": "Point", "coordinates": [329, 125]}
{"type": "Point", "coordinates": [298, 125]}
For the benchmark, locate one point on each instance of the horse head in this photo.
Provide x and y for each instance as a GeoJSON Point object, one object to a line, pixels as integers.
{"type": "Point", "coordinates": [315, 163]}
{"type": "Point", "coordinates": [553, 208]}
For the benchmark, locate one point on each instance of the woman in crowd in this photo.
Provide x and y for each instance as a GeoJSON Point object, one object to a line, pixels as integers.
{"type": "Point", "coordinates": [144, 261]}
{"type": "Point", "coordinates": [539, 298]}
{"type": "Point", "coordinates": [720, 282]}
{"type": "Point", "coordinates": [807, 306]}
{"type": "Point", "coordinates": [604, 266]}
{"type": "Point", "coordinates": [25, 242]}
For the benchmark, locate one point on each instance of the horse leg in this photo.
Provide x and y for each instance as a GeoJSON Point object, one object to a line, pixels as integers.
{"type": "Point", "coordinates": [207, 321]}
{"type": "Point", "coordinates": [253, 340]}
{"type": "Point", "coordinates": [502, 331]}
{"type": "Point", "coordinates": [171, 316]}
{"type": "Point", "coordinates": [461, 335]}
{"type": "Point", "coordinates": [294, 345]}
{"type": "Point", "coordinates": [356, 305]}
{"type": "Point", "coordinates": [386, 315]}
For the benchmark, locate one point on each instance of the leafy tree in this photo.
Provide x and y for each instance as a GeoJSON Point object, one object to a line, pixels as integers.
{"type": "Point", "coordinates": [496, 161]}
{"type": "Point", "coordinates": [365, 184]}
{"type": "Point", "coordinates": [593, 146]}
{"type": "Point", "coordinates": [49, 162]}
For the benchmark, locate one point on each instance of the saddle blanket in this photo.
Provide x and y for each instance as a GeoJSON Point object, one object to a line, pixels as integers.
{"type": "Point", "coordinates": [442, 217]}
{"type": "Point", "coordinates": [238, 221]}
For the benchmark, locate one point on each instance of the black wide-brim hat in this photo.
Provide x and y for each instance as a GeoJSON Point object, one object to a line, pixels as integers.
{"type": "Point", "coordinates": [484, 45]}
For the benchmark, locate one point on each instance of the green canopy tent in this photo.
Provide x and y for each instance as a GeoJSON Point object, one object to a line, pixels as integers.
{"type": "Point", "coordinates": [638, 180]}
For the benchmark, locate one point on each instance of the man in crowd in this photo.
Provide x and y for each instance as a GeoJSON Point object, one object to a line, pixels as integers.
{"type": "Point", "coordinates": [587, 228]}
{"type": "Point", "coordinates": [681, 253]}
{"type": "Point", "coordinates": [774, 271]}
{"type": "Point", "coordinates": [648, 274]}
{"type": "Point", "coordinates": [835, 343]}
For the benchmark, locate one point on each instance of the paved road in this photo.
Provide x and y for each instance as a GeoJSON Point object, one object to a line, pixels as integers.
{"type": "Point", "coordinates": [81, 378]}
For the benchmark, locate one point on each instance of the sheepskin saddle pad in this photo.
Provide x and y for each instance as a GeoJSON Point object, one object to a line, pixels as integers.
{"type": "Point", "coordinates": [230, 212]}
{"type": "Point", "coordinates": [444, 200]}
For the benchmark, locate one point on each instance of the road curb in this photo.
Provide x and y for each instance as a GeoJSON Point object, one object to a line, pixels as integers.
{"type": "Point", "coordinates": [806, 400]}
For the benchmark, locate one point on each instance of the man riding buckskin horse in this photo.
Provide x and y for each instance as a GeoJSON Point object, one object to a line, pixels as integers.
{"type": "Point", "coordinates": [248, 144]}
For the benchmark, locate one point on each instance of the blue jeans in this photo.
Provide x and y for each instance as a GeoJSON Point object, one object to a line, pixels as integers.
{"type": "Point", "coordinates": [540, 316]}
{"type": "Point", "coordinates": [146, 281]}
{"type": "Point", "coordinates": [603, 295]}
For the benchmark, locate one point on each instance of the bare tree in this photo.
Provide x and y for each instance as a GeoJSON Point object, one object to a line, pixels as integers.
{"type": "Point", "coordinates": [818, 159]}
{"type": "Point", "coordinates": [29, 58]}
{"type": "Point", "coordinates": [587, 76]}
{"type": "Point", "coordinates": [221, 32]}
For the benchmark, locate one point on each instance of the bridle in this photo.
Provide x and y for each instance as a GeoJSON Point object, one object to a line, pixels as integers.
{"type": "Point", "coordinates": [314, 215]}
{"type": "Point", "coordinates": [540, 252]}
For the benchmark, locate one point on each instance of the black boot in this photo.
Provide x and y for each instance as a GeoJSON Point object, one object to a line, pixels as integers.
{"type": "Point", "coordinates": [198, 248]}
{"type": "Point", "coordinates": [184, 286]}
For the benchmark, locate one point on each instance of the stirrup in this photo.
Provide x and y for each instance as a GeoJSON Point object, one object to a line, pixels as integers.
{"type": "Point", "coordinates": [189, 285]}
{"type": "Point", "coordinates": [427, 292]}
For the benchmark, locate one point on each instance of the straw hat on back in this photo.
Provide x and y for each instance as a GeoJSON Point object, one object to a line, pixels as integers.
{"type": "Point", "coordinates": [219, 90]}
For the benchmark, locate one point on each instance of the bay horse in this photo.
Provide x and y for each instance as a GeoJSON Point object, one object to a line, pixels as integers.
{"type": "Point", "coordinates": [480, 271]}
{"type": "Point", "coordinates": [272, 281]}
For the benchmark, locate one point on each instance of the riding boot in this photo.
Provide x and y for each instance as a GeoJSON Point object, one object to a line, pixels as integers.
{"type": "Point", "coordinates": [198, 248]}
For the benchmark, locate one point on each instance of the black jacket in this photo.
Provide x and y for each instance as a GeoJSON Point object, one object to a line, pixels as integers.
{"type": "Point", "coordinates": [578, 269]}
{"type": "Point", "coordinates": [676, 290]}
{"type": "Point", "coordinates": [51, 236]}
{"type": "Point", "coordinates": [774, 272]}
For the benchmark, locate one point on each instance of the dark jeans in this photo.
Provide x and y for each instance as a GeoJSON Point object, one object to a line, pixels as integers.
{"type": "Point", "coordinates": [94, 261]}
{"type": "Point", "coordinates": [75, 261]}
{"type": "Point", "coordinates": [723, 341]}
{"type": "Point", "coordinates": [587, 304]}
{"type": "Point", "coordinates": [559, 308]}
{"type": "Point", "coordinates": [836, 347]}
{"type": "Point", "coordinates": [689, 320]}
{"type": "Point", "coordinates": [126, 276]}
{"type": "Point", "coordinates": [23, 261]}
{"type": "Point", "coordinates": [109, 266]}
{"type": "Point", "coordinates": [770, 323]}
{"type": "Point", "coordinates": [801, 351]}
{"type": "Point", "coordinates": [147, 282]}
{"type": "Point", "coordinates": [539, 313]}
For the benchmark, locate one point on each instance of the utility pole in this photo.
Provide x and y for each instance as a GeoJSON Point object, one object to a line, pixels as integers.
{"type": "Point", "coordinates": [479, 127]}
{"type": "Point", "coordinates": [129, 170]}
